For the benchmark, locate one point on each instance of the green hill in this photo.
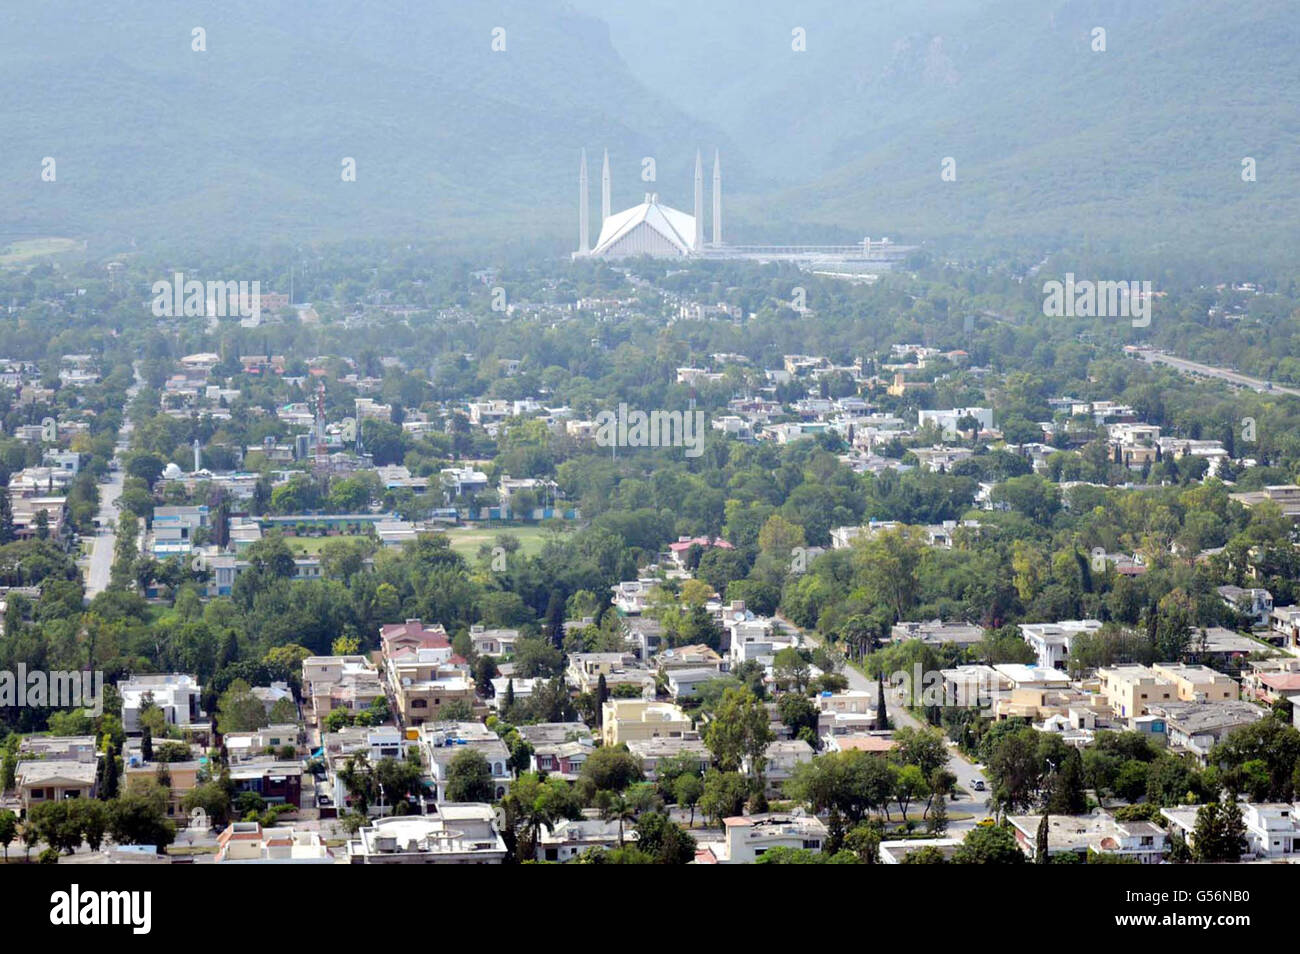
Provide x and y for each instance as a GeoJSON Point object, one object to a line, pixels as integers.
{"type": "Point", "coordinates": [1135, 148]}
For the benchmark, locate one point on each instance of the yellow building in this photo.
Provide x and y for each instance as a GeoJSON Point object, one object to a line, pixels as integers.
{"type": "Point", "coordinates": [1199, 683]}
{"type": "Point", "coordinates": [1130, 689]}
{"type": "Point", "coordinates": [628, 720]}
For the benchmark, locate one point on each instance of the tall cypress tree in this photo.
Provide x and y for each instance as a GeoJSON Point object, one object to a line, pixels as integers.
{"type": "Point", "coordinates": [1040, 855]}
{"type": "Point", "coordinates": [602, 693]}
{"type": "Point", "coordinates": [108, 786]}
{"type": "Point", "coordinates": [555, 619]}
{"type": "Point", "coordinates": [882, 712]}
{"type": "Point", "coordinates": [7, 534]}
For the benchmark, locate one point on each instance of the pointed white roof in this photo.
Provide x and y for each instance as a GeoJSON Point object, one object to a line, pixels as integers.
{"type": "Point", "coordinates": [677, 228]}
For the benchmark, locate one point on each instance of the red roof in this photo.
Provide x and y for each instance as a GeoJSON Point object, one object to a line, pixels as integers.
{"type": "Point", "coordinates": [681, 545]}
{"type": "Point", "coordinates": [1281, 681]}
{"type": "Point", "coordinates": [432, 636]}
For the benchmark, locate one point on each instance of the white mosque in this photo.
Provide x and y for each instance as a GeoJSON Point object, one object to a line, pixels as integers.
{"type": "Point", "coordinates": [650, 228]}
{"type": "Point", "coordinates": [661, 231]}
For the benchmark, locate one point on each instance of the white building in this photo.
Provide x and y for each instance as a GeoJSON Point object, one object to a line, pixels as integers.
{"type": "Point", "coordinates": [947, 421]}
{"type": "Point", "coordinates": [1272, 828]}
{"type": "Point", "coordinates": [175, 694]}
{"type": "Point", "coordinates": [650, 228]}
{"type": "Point", "coordinates": [1052, 642]}
{"type": "Point", "coordinates": [459, 834]}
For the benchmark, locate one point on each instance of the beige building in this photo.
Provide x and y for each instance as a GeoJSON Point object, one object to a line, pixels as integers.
{"type": "Point", "coordinates": [339, 682]}
{"type": "Point", "coordinates": [424, 684]}
{"type": "Point", "coordinates": [628, 720]}
{"type": "Point", "coordinates": [1130, 689]}
{"type": "Point", "coordinates": [1199, 683]}
{"type": "Point", "coordinates": [54, 780]}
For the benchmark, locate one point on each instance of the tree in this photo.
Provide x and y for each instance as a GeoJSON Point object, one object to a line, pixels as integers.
{"type": "Point", "coordinates": [910, 783]}
{"type": "Point", "coordinates": [739, 732]}
{"type": "Point", "coordinates": [853, 782]}
{"type": "Point", "coordinates": [8, 828]}
{"type": "Point", "coordinates": [1041, 856]}
{"type": "Point", "coordinates": [345, 646]}
{"type": "Point", "coordinates": [662, 838]}
{"type": "Point", "coordinates": [790, 670]}
{"type": "Point", "coordinates": [939, 817]}
{"type": "Point", "coordinates": [109, 781]}
{"type": "Point", "coordinates": [553, 628]}
{"type": "Point", "coordinates": [882, 711]}
{"type": "Point", "coordinates": [797, 712]}
{"type": "Point", "coordinates": [139, 816]}
{"type": "Point", "coordinates": [687, 790]}
{"type": "Point", "coordinates": [602, 694]}
{"type": "Point", "coordinates": [1065, 787]}
{"type": "Point", "coordinates": [611, 769]}
{"type": "Point", "coordinates": [1220, 833]}
{"type": "Point", "coordinates": [864, 841]}
{"type": "Point", "coordinates": [1273, 747]}
{"type": "Point", "coordinates": [283, 712]}
{"type": "Point", "coordinates": [616, 807]}
{"type": "Point", "coordinates": [213, 798]}
{"type": "Point", "coordinates": [724, 795]}
{"type": "Point", "coordinates": [925, 748]}
{"type": "Point", "coordinates": [238, 710]}
{"type": "Point", "coordinates": [929, 855]}
{"type": "Point", "coordinates": [469, 777]}
{"type": "Point", "coordinates": [990, 845]}
{"type": "Point", "coordinates": [1015, 770]}
{"type": "Point", "coordinates": [533, 804]}
{"type": "Point", "coordinates": [7, 532]}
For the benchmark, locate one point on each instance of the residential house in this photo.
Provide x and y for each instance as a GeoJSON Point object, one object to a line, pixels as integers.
{"type": "Point", "coordinates": [54, 780]}
{"type": "Point", "coordinates": [749, 837]}
{"type": "Point", "coordinates": [1272, 828]}
{"type": "Point", "coordinates": [339, 682]}
{"type": "Point", "coordinates": [176, 695]}
{"type": "Point", "coordinates": [654, 751]}
{"type": "Point", "coordinates": [443, 741]}
{"type": "Point", "coordinates": [250, 843]}
{"type": "Point", "coordinates": [464, 833]}
{"type": "Point", "coordinates": [626, 720]}
{"type": "Point", "coordinates": [1052, 642]}
{"type": "Point", "coordinates": [1098, 832]}
{"type": "Point", "coordinates": [569, 838]}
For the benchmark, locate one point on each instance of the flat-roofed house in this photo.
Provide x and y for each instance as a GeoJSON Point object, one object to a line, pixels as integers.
{"type": "Point", "coordinates": [54, 780]}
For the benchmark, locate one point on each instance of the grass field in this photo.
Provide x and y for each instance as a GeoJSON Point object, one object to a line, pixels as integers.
{"type": "Point", "coordinates": [464, 540]}
{"type": "Point", "coordinates": [467, 540]}
{"type": "Point", "coordinates": [29, 249]}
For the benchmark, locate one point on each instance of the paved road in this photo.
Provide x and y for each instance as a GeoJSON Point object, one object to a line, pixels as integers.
{"type": "Point", "coordinates": [101, 555]}
{"type": "Point", "coordinates": [958, 764]}
{"type": "Point", "coordinates": [1223, 374]}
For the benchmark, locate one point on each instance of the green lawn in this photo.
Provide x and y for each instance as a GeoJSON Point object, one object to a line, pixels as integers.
{"type": "Point", "coordinates": [464, 540]}
{"type": "Point", "coordinates": [467, 540]}
{"type": "Point", "coordinates": [35, 248]}
{"type": "Point", "coordinates": [310, 546]}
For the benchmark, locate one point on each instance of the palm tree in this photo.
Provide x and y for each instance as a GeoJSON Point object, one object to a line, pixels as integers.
{"type": "Point", "coordinates": [618, 807]}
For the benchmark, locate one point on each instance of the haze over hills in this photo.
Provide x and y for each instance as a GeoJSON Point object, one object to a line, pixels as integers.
{"type": "Point", "coordinates": [1138, 147]}
{"type": "Point", "coordinates": [452, 140]}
